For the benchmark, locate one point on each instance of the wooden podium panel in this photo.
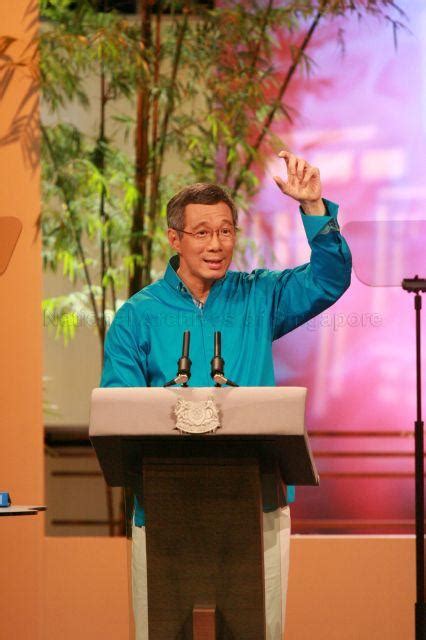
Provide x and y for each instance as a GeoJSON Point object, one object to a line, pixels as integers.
{"type": "Point", "coordinates": [204, 545]}
{"type": "Point", "coordinates": [202, 497]}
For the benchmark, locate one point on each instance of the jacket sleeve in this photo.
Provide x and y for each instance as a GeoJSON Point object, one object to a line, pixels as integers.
{"type": "Point", "coordinates": [301, 293]}
{"type": "Point", "coordinates": [125, 361]}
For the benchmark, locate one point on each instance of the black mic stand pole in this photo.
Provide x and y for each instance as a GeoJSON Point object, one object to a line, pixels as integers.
{"type": "Point", "coordinates": [184, 364]}
{"type": "Point", "coordinates": [218, 364]}
{"type": "Point", "coordinates": [417, 285]}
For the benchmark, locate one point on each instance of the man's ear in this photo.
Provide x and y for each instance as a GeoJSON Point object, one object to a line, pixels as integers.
{"type": "Point", "coordinates": [174, 239]}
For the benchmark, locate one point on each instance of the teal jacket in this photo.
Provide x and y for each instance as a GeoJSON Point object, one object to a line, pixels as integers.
{"type": "Point", "coordinates": [251, 310]}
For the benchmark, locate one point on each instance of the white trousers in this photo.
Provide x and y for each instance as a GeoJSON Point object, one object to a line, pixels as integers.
{"type": "Point", "coordinates": [276, 550]}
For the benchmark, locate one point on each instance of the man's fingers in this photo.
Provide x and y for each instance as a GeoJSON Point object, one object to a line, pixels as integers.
{"type": "Point", "coordinates": [284, 154]}
{"type": "Point", "coordinates": [313, 175]}
{"type": "Point", "coordinates": [289, 159]}
{"type": "Point", "coordinates": [291, 162]}
{"type": "Point", "coordinates": [301, 167]}
{"type": "Point", "coordinates": [299, 172]}
{"type": "Point", "coordinates": [302, 182]}
{"type": "Point", "coordinates": [281, 184]}
{"type": "Point", "coordinates": [310, 173]}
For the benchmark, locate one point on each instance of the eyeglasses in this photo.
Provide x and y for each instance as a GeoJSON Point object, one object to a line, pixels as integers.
{"type": "Point", "coordinates": [224, 234]}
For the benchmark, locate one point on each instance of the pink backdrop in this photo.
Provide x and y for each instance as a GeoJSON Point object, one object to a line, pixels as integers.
{"type": "Point", "coordinates": [362, 120]}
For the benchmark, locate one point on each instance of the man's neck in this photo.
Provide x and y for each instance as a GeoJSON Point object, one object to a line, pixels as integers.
{"type": "Point", "coordinates": [199, 290]}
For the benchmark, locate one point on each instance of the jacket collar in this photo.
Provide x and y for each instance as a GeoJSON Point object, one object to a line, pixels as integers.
{"type": "Point", "coordinates": [172, 278]}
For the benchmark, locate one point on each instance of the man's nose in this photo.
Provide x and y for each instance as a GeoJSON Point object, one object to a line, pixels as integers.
{"type": "Point", "coordinates": [214, 242]}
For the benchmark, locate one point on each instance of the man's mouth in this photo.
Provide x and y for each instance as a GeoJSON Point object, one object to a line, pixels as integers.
{"type": "Point", "coordinates": [214, 263]}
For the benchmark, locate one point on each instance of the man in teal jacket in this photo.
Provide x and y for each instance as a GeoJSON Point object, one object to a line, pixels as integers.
{"type": "Point", "coordinates": [198, 293]}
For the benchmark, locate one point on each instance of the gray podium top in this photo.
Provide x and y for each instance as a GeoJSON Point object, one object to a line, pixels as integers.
{"type": "Point", "coordinates": [244, 411]}
{"type": "Point", "coordinates": [268, 420]}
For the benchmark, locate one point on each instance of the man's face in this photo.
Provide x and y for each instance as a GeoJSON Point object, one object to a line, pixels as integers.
{"type": "Point", "coordinates": [206, 256]}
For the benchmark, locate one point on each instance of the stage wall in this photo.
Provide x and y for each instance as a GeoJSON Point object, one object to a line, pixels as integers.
{"type": "Point", "coordinates": [21, 436]}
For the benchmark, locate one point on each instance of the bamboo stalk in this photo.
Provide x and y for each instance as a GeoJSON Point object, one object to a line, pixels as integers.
{"type": "Point", "coordinates": [77, 239]}
{"type": "Point", "coordinates": [137, 241]}
{"type": "Point", "coordinates": [160, 142]}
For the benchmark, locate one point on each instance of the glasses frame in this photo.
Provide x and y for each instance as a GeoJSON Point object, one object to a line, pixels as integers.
{"type": "Point", "coordinates": [213, 231]}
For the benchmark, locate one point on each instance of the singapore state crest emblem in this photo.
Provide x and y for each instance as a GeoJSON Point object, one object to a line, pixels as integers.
{"type": "Point", "coordinates": [196, 417]}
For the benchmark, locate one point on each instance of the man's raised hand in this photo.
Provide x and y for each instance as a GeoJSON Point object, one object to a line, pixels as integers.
{"type": "Point", "coordinates": [303, 184]}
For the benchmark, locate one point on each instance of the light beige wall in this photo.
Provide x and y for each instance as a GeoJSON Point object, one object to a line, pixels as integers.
{"type": "Point", "coordinates": [70, 371]}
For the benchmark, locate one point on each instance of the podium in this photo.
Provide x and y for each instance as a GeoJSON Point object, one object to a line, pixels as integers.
{"type": "Point", "coordinates": [203, 496]}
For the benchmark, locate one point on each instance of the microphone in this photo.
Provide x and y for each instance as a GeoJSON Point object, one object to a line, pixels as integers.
{"type": "Point", "coordinates": [218, 363]}
{"type": "Point", "coordinates": [184, 364]}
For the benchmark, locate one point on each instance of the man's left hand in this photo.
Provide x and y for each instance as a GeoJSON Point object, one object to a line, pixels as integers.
{"type": "Point", "coordinates": [303, 184]}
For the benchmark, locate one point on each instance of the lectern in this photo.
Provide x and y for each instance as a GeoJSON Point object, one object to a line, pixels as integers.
{"type": "Point", "coordinates": [203, 494]}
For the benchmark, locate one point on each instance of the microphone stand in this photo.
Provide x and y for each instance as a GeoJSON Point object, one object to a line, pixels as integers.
{"type": "Point", "coordinates": [184, 364]}
{"type": "Point", "coordinates": [218, 364]}
{"type": "Point", "coordinates": [417, 285]}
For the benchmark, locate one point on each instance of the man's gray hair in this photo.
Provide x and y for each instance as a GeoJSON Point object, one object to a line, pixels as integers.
{"type": "Point", "coordinates": [198, 193]}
